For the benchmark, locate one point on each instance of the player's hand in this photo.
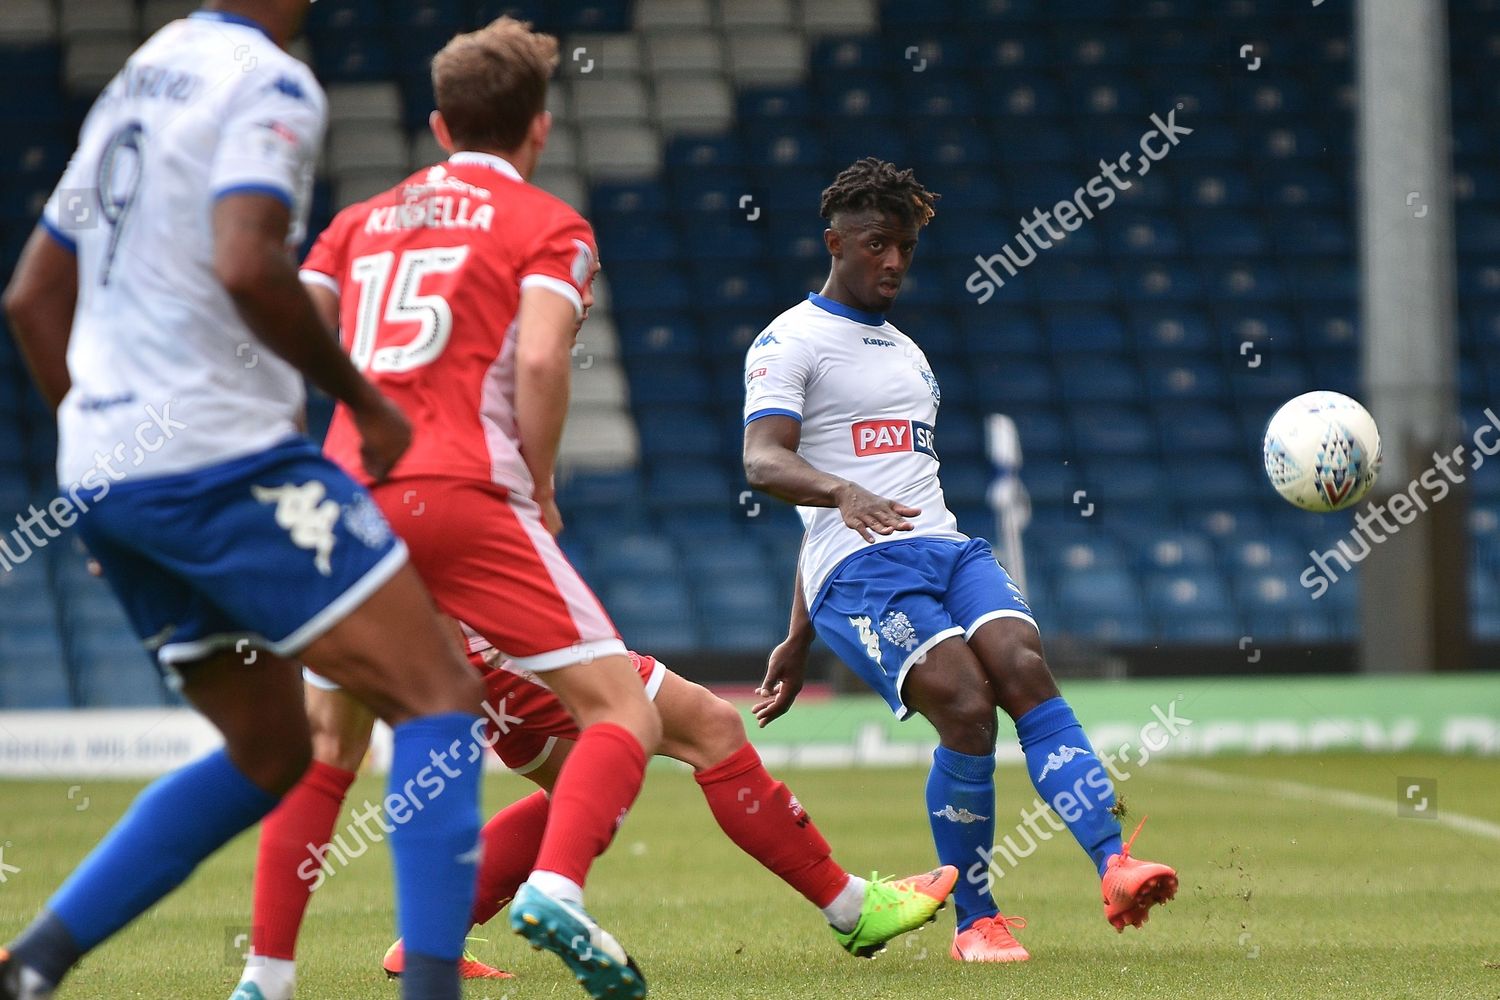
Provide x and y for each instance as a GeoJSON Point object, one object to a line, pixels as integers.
{"type": "Point", "coordinates": [551, 516]}
{"type": "Point", "coordinates": [384, 434]}
{"type": "Point", "coordinates": [784, 673]}
{"type": "Point", "coordinates": [872, 515]}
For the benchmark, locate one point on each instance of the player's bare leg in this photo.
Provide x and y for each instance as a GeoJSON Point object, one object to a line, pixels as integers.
{"type": "Point", "coordinates": [258, 709]}
{"type": "Point", "coordinates": [394, 655]}
{"type": "Point", "coordinates": [949, 688]}
{"type": "Point", "coordinates": [1066, 772]}
{"type": "Point", "coordinates": [758, 813]}
{"type": "Point", "coordinates": [765, 820]}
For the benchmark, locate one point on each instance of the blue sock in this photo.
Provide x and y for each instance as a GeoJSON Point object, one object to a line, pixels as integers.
{"type": "Point", "coordinates": [433, 803]}
{"type": "Point", "coordinates": [961, 809]}
{"type": "Point", "coordinates": [175, 823]}
{"type": "Point", "coordinates": [1070, 778]}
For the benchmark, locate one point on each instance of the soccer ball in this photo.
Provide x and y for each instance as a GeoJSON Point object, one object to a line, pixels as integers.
{"type": "Point", "coordinates": [1322, 451]}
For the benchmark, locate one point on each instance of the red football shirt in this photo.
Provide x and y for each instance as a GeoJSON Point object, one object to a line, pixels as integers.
{"type": "Point", "coordinates": [429, 277]}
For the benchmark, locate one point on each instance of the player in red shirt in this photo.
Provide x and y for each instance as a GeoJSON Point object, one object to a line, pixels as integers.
{"type": "Point", "coordinates": [425, 281]}
{"type": "Point", "coordinates": [459, 293]}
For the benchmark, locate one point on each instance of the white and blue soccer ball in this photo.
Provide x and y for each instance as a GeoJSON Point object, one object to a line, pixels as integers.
{"type": "Point", "coordinates": [1322, 451]}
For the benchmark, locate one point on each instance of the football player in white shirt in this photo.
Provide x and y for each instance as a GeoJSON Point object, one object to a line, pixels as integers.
{"type": "Point", "coordinates": [161, 284]}
{"type": "Point", "coordinates": [840, 409]}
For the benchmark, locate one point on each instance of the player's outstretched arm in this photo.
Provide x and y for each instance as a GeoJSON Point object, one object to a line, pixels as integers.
{"type": "Point", "coordinates": [544, 346]}
{"type": "Point", "coordinates": [773, 466]}
{"type": "Point", "coordinates": [787, 666]}
{"type": "Point", "coordinates": [39, 302]}
{"type": "Point", "coordinates": [251, 260]}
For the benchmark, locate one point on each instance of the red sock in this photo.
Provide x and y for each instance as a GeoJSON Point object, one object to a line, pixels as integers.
{"type": "Point", "coordinates": [511, 839]}
{"type": "Point", "coordinates": [306, 815]}
{"type": "Point", "coordinates": [764, 818]}
{"type": "Point", "coordinates": [594, 790]}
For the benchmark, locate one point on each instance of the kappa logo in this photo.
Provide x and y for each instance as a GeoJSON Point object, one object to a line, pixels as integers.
{"type": "Point", "coordinates": [877, 342]}
{"type": "Point", "coordinates": [959, 815]}
{"type": "Point", "coordinates": [1055, 761]}
{"type": "Point", "coordinates": [868, 638]}
{"type": "Point", "coordinates": [308, 515]}
{"type": "Point", "coordinates": [766, 339]}
{"type": "Point", "coordinates": [887, 437]}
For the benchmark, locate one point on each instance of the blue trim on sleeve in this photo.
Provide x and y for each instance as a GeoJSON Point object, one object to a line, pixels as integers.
{"type": "Point", "coordinates": [848, 312]}
{"type": "Point", "coordinates": [240, 19]}
{"type": "Point", "coordinates": [67, 242]}
{"type": "Point", "coordinates": [773, 412]}
{"type": "Point", "coordinates": [280, 194]}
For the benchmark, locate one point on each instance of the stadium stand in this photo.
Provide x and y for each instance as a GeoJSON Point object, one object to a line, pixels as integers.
{"type": "Point", "coordinates": [1140, 357]}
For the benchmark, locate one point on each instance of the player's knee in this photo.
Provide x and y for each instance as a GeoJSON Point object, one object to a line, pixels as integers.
{"type": "Point", "coordinates": [963, 715]}
{"type": "Point", "coordinates": [1024, 681]}
{"type": "Point", "coordinates": [646, 725]}
{"type": "Point", "coordinates": [453, 691]}
{"type": "Point", "coordinates": [342, 750]}
{"type": "Point", "coordinates": [273, 765]}
{"type": "Point", "coordinates": [718, 730]}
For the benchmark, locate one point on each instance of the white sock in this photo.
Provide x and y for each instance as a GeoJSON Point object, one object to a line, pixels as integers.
{"type": "Point", "coordinates": [276, 977]}
{"type": "Point", "coordinates": [558, 887]}
{"type": "Point", "coordinates": [33, 986]}
{"type": "Point", "coordinates": [843, 912]}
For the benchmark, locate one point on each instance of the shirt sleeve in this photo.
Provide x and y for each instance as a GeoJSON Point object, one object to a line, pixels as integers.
{"type": "Point", "coordinates": [324, 264]}
{"type": "Point", "coordinates": [778, 368]}
{"type": "Point", "coordinates": [270, 138]}
{"type": "Point", "coordinates": [562, 258]}
{"type": "Point", "coordinates": [73, 205]}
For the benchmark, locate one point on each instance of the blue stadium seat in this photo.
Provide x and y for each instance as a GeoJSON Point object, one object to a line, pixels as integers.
{"type": "Point", "coordinates": [1093, 379]}
{"type": "Point", "coordinates": [668, 431]}
{"type": "Point", "coordinates": [1113, 481]}
{"type": "Point", "coordinates": [630, 556]}
{"type": "Point", "coordinates": [33, 669]}
{"type": "Point", "coordinates": [1200, 594]}
{"type": "Point", "coordinates": [1110, 593]}
{"type": "Point", "coordinates": [1017, 381]}
{"type": "Point", "coordinates": [1171, 329]}
{"type": "Point", "coordinates": [1042, 432]}
{"type": "Point", "coordinates": [683, 483]}
{"type": "Point", "coordinates": [112, 670]}
{"type": "Point", "coordinates": [1174, 551]}
{"type": "Point", "coordinates": [1111, 430]}
{"type": "Point", "coordinates": [656, 333]}
{"type": "Point", "coordinates": [670, 382]}
{"type": "Point", "coordinates": [1197, 428]}
{"type": "Point", "coordinates": [1090, 331]}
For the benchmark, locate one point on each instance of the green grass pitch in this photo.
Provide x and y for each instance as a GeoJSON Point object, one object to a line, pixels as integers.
{"type": "Point", "coordinates": [1286, 892]}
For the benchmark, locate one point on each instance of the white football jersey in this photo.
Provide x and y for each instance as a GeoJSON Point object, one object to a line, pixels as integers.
{"type": "Point", "coordinates": [867, 401]}
{"type": "Point", "coordinates": [166, 377]}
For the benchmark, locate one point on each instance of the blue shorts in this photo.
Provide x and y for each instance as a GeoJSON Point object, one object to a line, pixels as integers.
{"type": "Point", "coordinates": [883, 609]}
{"type": "Point", "coordinates": [269, 550]}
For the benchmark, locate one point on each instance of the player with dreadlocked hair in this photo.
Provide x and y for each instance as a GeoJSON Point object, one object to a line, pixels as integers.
{"type": "Point", "coordinates": [839, 414]}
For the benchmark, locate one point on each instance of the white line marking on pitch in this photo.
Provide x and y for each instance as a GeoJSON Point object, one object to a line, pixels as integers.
{"type": "Point", "coordinates": [1313, 793]}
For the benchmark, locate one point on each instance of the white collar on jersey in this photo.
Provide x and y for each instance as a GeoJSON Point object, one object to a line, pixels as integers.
{"type": "Point", "coordinates": [499, 164]}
